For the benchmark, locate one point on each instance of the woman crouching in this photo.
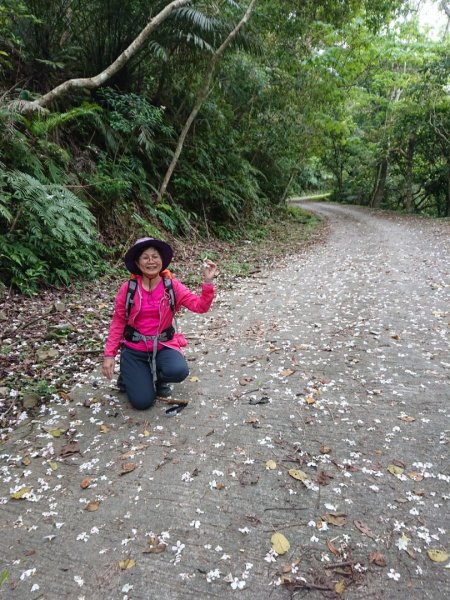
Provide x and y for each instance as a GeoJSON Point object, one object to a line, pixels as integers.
{"type": "Point", "coordinates": [142, 323]}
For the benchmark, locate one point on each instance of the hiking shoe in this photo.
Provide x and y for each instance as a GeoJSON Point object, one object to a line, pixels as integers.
{"type": "Point", "coordinates": [120, 385]}
{"type": "Point", "coordinates": [163, 390]}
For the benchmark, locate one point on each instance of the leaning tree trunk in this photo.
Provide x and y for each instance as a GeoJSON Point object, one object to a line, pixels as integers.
{"type": "Point", "coordinates": [201, 97]}
{"type": "Point", "coordinates": [447, 208]}
{"type": "Point", "coordinates": [380, 185]}
{"type": "Point", "coordinates": [97, 80]}
{"type": "Point", "coordinates": [409, 173]}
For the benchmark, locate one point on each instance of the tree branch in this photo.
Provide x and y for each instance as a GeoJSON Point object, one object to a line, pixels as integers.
{"type": "Point", "coordinates": [97, 80]}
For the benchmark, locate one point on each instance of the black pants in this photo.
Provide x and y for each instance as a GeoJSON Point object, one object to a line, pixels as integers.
{"type": "Point", "coordinates": [136, 373]}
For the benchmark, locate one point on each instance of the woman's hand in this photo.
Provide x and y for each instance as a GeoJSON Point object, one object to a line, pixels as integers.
{"type": "Point", "coordinates": [209, 270]}
{"type": "Point", "coordinates": [108, 366]}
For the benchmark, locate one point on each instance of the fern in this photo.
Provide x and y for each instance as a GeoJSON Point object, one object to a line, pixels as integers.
{"type": "Point", "coordinates": [44, 125]}
{"type": "Point", "coordinates": [50, 233]}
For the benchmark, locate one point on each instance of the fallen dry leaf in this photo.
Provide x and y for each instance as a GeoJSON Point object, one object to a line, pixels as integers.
{"type": "Point", "coordinates": [325, 450]}
{"type": "Point", "coordinates": [194, 379]}
{"type": "Point", "coordinates": [245, 380]}
{"type": "Point", "coordinates": [332, 548]}
{"type": "Point", "coordinates": [339, 588]}
{"type": "Point", "coordinates": [287, 372]}
{"type": "Point", "coordinates": [280, 544]}
{"type": "Point", "coordinates": [437, 555]}
{"type": "Point", "coordinates": [103, 428]}
{"type": "Point", "coordinates": [363, 528]}
{"type": "Point", "coordinates": [26, 489]}
{"type": "Point", "coordinates": [93, 506]}
{"type": "Point", "coordinates": [298, 474]}
{"type": "Point", "coordinates": [310, 400]}
{"type": "Point", "coordinates": [323, 478]}
{"type": "Point", "coordinates": [271, 465]}
{"type": "Point", "coordinates": [86, 482]}
{"type": "Point", "coordinates": [395, 470]}
{"type": "Point", "coordinates": [407, 419]}
{"type": "Point", "coordinates": [127, 468]}
{"type": "Point", "coordinates": [69, 449]}
{"type": "Point", "coordinates": [377, 559]}
{"type": "Point", "coordinates": [337, 519]}
{"type": "Point", "coordinates": [415, 476]}
{"type": "Point", "coordinates": [26, 460]}
{"type": "Point", "coordinates": [128, 563]}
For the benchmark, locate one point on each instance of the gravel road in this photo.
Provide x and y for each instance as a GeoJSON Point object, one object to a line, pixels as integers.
{"type": "Point", "coordinates": [318, 410]}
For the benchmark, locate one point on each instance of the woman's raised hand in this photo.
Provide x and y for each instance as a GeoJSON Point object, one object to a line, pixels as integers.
{"type": "Point", "coordinates": [209, 270]}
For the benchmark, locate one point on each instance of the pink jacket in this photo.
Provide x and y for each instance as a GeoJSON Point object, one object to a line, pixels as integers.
{"type": "Point", "coordinates": [183, 297]}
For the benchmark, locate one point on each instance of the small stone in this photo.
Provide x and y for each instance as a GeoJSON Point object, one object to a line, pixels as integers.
{"type": "Point", "coordinates": [30, 400]}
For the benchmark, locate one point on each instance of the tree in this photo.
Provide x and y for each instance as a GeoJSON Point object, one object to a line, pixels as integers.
{"type": "Point", "coordinates": [203, 92]}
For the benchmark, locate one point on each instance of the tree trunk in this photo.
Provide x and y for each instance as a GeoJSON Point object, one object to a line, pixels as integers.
{"type": "Point", "coordinates": [201, 97]}
{"type": "Point", "coordinates": [447, 208]}
{"type": "Point", "coordinates": [97, 80]}
{"type": "Point", "coordinates": [380, 185]}
{"type": "Point", "coordinates": [409, 173]}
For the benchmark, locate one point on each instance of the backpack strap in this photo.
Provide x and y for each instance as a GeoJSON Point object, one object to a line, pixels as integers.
{"type": "Point", "coordinates": [168, 286]}
{"type": "Point", "coordinates": [129, 300]}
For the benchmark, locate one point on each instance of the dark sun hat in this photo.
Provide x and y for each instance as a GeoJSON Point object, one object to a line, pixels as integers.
{"type": "Point", "coordinates": [139, 246]}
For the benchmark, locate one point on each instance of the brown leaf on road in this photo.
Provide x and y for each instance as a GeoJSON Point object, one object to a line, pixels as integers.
{"type": "Point", "coordinates": [155, 549]}
{"type": "Point", "coordinates": [337, 519]}
{"type": "Point", "coordinates": [323, 478]}
{"type": "Point", "coordinates": [377, 559]}
{"type": "Point", "coordinates": [363, 528]}
{"type": "Point", "coordinates": [92, 506]}
{"type": "Point", "coordinates": [287, 372]}
{"type": "Point", "coordinates": [325, 450]}
{"type": "Point", "coordinates": [245, 380]}
{"type": "Point", "coordinates": [86, 483]}
{"type": "Point", "coordinates": [127, 468]}
{"type": "Point", "coordinates": [332, 548]}
{"type": "Point", "coordinates": [69, 449]}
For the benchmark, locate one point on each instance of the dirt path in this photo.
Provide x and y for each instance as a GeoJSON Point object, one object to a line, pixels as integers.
{"type": "Point", "coordinates": [337, 365]}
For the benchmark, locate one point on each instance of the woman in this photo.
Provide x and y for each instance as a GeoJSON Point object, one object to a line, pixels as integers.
{"type": "Point", "coordinates": [151, 355]}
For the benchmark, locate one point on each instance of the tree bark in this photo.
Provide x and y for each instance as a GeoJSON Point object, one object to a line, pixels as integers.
{"type": "Point", "coordinates": [97, 80]}
{"type": "Point", "coordinates": [204, 89]}
{"type": "Point", "coordinates": [380, 184]}
{"type": "Point", "coordinates": [409, 173]}
{"type": "Point", "coordinates": [447, 208]}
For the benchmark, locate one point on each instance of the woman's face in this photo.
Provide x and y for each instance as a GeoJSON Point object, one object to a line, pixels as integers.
{"type": "Point", "coordinates": [150, 263]}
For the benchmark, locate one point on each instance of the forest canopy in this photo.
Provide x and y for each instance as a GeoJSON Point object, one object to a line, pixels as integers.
{"type": "Point", "coordinates": [200, 118]}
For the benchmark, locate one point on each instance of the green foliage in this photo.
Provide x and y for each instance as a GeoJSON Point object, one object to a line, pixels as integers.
{"type": "Point", "coordinates": [48, 234]}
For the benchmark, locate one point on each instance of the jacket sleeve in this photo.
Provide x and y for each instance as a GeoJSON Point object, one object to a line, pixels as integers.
{"type": "Point", "coordinates": [118, 322]}
{"type": "Point", "coordinates": [199, 303]}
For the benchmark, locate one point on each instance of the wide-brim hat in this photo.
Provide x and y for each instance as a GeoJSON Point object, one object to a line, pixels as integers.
{"type": "Point", "coordinates": [139, 246]}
